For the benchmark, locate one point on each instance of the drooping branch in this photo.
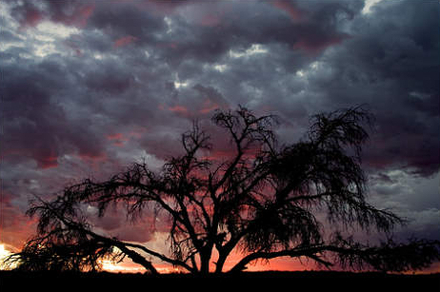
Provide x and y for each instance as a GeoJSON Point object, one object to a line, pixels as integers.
{"type": "Point", "coordinates": [387, 257]}
{"type": "Point", "coordinates": [52, 219]}
{"type": "Point", "coordinates": [46, 210]}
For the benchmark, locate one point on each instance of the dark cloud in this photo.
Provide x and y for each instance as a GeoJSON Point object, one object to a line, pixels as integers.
{"type": "Point", "coordinates": [392, 64]}
{"type": "Point", "coordinates": [69, 12]}
{"type": "Point", "coordinates": [122, 20]}
{"type": "Point", "coordinates": [109, 79]}
{"type": "Point", "coordinates": [35, 123]}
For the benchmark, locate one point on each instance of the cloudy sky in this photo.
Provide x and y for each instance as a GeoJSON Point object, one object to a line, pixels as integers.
{"type": "Point", "coordinates": [87, 87]}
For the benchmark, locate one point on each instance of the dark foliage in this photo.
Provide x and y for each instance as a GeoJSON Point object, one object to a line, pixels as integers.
{"type": "Point", "coordinates": [263, 199]}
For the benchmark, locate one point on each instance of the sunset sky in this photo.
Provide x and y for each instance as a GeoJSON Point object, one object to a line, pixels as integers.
{"type": "Point", "coordinates": [88, 87]}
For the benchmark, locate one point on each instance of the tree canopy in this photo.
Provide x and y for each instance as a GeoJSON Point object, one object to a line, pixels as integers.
{"type": "Point", "coordinates": [264, 200]}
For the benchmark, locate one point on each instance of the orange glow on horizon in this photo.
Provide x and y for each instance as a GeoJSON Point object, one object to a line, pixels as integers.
{"type": "Point", "coordinates": [279, 264]}
{"type": "Point", "coordinates": [4, 253]}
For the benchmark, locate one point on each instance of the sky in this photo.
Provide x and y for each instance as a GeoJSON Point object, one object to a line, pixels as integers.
{"type": "Point", "coordinates": [88, 87]}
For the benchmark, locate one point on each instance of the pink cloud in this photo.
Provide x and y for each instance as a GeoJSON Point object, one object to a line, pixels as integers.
{"type": "Point", "coordinates": [46, 157]}
{"type": "Point", "coordinates": [31, 18]}
{"type": "Point", "coordinates": [124, 41]}
{"type": "Point", "coordinates": [295, 13]}
{"type": "Point", "coordinates": [117, 136]}
{"type": "Point", "coordinates": [314, 46]}
{"type": "Point", "coordinates": [78, 17]}
{"type": "Point", "coordinates": [179, 109]}
{"type": "Point", "coordinates": [84, 14]}
{"type": "Point", "coordinates": [48, 162]}
{"type": "Point", "coordinates": [208, 106]}
{"type": "Point", "coordinates": [118, 139]}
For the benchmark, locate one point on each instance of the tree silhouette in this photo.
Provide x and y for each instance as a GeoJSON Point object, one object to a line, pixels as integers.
{"type": "Point", "coordinates": [264, 200]}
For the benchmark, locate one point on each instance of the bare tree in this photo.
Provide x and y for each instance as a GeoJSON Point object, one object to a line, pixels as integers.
{"type": "Point", "coordinates": [263, 201]}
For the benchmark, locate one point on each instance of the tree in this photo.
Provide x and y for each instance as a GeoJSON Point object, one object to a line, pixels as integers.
{"type": "Point", "coordinates": [263, 200]}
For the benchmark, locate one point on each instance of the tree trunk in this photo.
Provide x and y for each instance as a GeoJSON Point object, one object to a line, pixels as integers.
{"type": "Point", "coordinates": [220, 262]}
{"type": "Point", "coordinates": [205, 258]}
{"type": "Point", "coordinates": [204, 266]}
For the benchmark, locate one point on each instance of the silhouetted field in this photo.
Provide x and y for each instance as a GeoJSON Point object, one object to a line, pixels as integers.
{"type": "Point", "coordinates": [283, 281]}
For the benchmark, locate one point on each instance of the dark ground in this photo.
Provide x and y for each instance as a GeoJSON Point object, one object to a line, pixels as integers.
{"type": "Point", "coordinates": [283, 281]}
